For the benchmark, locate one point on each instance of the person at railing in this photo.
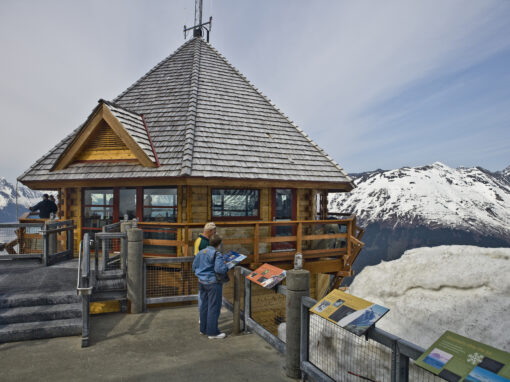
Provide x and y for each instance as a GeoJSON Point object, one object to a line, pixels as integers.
{"type": "Point", "coordinates": [209, 266]}
{"type": "Point", "coordinates": [202, 241]}
{"type": "Point", "coordinates": [45, 207]}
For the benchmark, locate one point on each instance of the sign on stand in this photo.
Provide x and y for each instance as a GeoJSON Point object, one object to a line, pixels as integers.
{"type": "Point", "coordinates": [350, 312]}
{"type": "Point", "coordinates": [267, 276]}
{"type": "Point", "coordinates": [457, 358]}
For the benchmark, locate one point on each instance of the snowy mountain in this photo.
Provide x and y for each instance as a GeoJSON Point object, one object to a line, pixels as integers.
{"type": "Point", "coordinates": [464, 289]}
{"type": "Point", "coordinates": [26, 198]}
{"type": "Point", "coordinates": [427, 206]}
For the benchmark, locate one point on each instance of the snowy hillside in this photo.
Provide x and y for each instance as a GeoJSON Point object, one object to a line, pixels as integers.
{"type": "Point", "coordinates": [26, 198]}
{"type": "Point", "coordinates": [436, 196]}
{"type": "Point", "coordinates": [464, 289]}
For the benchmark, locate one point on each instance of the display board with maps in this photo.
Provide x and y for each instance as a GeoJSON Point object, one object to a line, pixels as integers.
{"type": "Point", "coordinates": [350, 312]}
{"type": "Point", "coordinates": [267, 275]}
{"type": "Point", "coordinates": [456, 358]}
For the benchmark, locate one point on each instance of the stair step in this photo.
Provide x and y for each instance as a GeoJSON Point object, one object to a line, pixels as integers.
{"type": "Point", "coordinates": [111, 275]}
{"type": "Point", "coordinates": [12, 300]}
{"type": "Point", "coordinates": [43, 329]}
{"type": "Point", "coordinates": [111, 284]}
{"type": "Point", "coordinates": [109, 295]}
{"type": "Point", "coordinates": [40, 313]}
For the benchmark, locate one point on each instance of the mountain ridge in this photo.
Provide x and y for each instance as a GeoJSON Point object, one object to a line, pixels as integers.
{"type": "Point", "coordinates": [26, 198]}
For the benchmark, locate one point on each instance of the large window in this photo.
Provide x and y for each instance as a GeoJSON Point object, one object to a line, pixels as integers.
{"type": "Point", "coordinates": [97, 209]}
{"type": "Point", "coordinates": [233, 203]}
{"type": "Point", "coordinates": [160, 204]}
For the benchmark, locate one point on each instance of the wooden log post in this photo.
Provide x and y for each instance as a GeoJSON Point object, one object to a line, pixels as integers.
{"type": "Point", "coordinates": [237, 300]}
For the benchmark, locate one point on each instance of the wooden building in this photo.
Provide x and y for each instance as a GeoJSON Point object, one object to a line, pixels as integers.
{"type": "Point", "coordinates": [194, 141]}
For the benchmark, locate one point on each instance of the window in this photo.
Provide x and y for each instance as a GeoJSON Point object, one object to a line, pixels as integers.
{"type": "Point", "coordinates": [97, 209]}
{"type": "Point", "coordinates": [160, 204]}
{"type": "Point", "coordinates": [232, 203]}
{"type": "Point", "coordinates": [127, 203]}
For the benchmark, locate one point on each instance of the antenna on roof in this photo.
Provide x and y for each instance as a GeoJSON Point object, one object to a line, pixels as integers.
{"type": "Point", "coordinates": [199, 25]}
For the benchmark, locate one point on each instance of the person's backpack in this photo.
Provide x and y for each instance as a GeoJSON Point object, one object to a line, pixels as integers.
{"type": "Point", "coordinates": [220, 277]}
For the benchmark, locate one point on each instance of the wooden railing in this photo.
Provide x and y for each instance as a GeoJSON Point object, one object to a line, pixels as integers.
{"type": "Point", "coordinates": [315, 239]}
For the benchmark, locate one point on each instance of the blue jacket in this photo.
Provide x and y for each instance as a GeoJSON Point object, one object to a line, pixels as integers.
{"type": "Point", "coordinates": [205, 269]}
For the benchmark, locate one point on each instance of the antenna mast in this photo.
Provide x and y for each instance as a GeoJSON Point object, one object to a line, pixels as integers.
{"type": "Point", "coordinates": [199, 25]}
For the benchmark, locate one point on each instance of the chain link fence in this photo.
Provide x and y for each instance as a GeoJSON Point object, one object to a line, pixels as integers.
{"type": "Point", "coordinates": [169, 280]}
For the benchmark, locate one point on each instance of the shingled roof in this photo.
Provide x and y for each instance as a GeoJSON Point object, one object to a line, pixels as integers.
{"type": "Point", "coordinates": [205, 120]}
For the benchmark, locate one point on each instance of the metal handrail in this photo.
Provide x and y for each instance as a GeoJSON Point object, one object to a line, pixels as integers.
{"type": "Point", "coordinates": [79, 289]}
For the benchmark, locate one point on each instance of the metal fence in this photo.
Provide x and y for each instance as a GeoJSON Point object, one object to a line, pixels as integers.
{"type": "Point", "coordinates": [169, 279]}
{"type": "Point", "coordinates": [58, 239]}
{"type": "Point", "coordinates": [331, 353]}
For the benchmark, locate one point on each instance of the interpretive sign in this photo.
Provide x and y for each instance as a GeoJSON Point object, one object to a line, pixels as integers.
{"type": "Point", "coordinates": [267, 276]}
{"type": "Point", "coordinates": [233, 258]}
{"type": "Point", "coordinates": [457, 358]}
{"type": "Point", "coordinates": [350, 312]}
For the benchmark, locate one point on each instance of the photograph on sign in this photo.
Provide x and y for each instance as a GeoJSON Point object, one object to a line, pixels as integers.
{"type": "Point", "coordinates": [267, 276]}
{"type": "Point", "coordinates": [350, 312]}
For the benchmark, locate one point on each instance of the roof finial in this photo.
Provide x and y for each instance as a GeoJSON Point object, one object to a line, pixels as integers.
{"type": "Point", "coordinates": [199, 26]}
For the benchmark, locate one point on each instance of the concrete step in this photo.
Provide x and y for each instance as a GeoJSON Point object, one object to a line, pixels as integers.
{"type": "Point", "coordinates": [40, 313]}
{"type": "Point", "coordinates": [13, 299]}
{"type": "Point", "coordinates": [42, 329]}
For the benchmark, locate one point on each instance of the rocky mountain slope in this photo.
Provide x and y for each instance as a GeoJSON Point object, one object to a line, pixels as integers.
{"type": "Point", "coordinates": [26, 198]}
{"type": "Point", "coordinates": [431, 205]}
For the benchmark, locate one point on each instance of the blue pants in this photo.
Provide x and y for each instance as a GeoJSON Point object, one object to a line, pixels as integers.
{"type": "Point", "coordinates": [210, 306]}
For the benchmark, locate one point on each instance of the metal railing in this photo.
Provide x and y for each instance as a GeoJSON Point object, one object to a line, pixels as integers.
{"type": "Point", "coordinates": [169, 279]}
{"type": "Point", "coordinates": [83, 287]}
{"type": "Point", "coordinates": [331, 353]}
{"type": "Point", "coordinates": [246, 316]}
{"type": "Point", "coordinates": [58, 237]}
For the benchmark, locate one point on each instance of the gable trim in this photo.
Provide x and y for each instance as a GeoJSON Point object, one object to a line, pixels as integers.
{"type": "Point", "coordinates": [101, 113]}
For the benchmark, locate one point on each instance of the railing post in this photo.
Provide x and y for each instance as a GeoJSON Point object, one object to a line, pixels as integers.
{"type": "Point", "coordinates": [399, 365]}
{"type": "Point", "coordinates": [299, 236]}
{"type": "Point", "coordinates": [298, 285]}
{"type": "Point", "coordinates": [52, 244]}
{"type": "Point", "coordinates": [124, 226]}
{"type": "Point", "coordinates": [256, 232]}
{"type": "Point", "coordinates": [70, 240]}
{"type": "Point", "coordinates": [45, 257]}
{"type": "Point", "coordinates": [247, 303]}
{"type": "Point", "coordinates": [85, 298]}
{"type": "Point", "coordinates": [237, 300]}
{"type": "Point", "coordinates": [135, 269]}
{"type": "Point", "coordinates": [305, 333]}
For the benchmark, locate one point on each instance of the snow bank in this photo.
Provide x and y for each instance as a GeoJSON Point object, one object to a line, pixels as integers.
{"type": "Point", "coordinates": [465, 289]}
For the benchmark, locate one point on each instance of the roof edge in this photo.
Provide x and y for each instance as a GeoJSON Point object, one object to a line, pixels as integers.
{"type": "Point", "coordinates": [191, 118]}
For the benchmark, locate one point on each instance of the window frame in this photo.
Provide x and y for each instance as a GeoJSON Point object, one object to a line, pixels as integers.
{"type": "Point", "coordinates": [141, 206]}
{"type": "Point", "coordinates": [234, 218]}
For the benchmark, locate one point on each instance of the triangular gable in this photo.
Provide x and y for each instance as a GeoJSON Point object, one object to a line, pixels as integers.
{"type": "Point", "coordinates": [110, 134]}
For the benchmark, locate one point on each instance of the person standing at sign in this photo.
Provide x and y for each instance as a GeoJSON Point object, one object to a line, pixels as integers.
{"type": "Point", "coordinates": [209, 262]}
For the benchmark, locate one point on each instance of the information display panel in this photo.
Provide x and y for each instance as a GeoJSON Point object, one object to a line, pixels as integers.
{"type": "Point", "coordinates": [457, 358]}
{"type": "Point", "coordinates": [350, 312]}
{"type": "Point", "coordinates": [267, 276]}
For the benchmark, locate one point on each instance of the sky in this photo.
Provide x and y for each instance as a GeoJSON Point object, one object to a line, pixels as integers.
{"type": "Point", "coordinates": [377, 84]}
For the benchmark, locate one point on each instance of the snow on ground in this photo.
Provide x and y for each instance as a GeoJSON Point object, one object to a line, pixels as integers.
{"type": "Point", "coordinates": [464, 289]}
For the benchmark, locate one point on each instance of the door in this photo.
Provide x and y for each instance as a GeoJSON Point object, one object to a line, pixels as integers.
{"type": "Point", "coordinates": [283, 208]}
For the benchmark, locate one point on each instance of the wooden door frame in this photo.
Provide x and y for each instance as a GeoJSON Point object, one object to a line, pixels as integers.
{"type": "Point", "coordinates": [274, 246]}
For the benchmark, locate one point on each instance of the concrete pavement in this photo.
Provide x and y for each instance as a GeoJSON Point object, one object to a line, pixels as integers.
{"type": "Point", "coordinates": [162, 345]}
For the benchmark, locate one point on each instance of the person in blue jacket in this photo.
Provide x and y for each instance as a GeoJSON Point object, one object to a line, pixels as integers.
{"type": "Point", "coordinates": [207, 263]}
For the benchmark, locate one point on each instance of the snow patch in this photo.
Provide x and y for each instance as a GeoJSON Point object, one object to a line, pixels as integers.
{"type": "Point", "coordinates": [464, 289]}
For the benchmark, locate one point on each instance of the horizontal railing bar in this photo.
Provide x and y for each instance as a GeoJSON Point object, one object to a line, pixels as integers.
{"type": "Point", "coordinates": [163, 260]}
{"type": "Point", "coordinates": [269, 337]}
{"type": "Point", "coordinates": [61, 229]}
{"type": "Point", "coordinates": [246, 223]}
{"type": "Point", "coordinates": [18, 225]}
{"type": "Point", "coordinates": [314, 372]}
{"type": "Point", "coordinates": [325, 236]}
{"type": "Point", "coordinates": [162, 300]}
{"type": "Point", "coordinates": [21, 256]}
{"type": "Point", "coordinates": [162, 242]}
{"type": "Point", "coordinates": [111, 235]}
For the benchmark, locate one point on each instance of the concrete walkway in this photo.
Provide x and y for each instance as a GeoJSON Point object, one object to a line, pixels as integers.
{"type": "Point", "coordinates": [162, 345]}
